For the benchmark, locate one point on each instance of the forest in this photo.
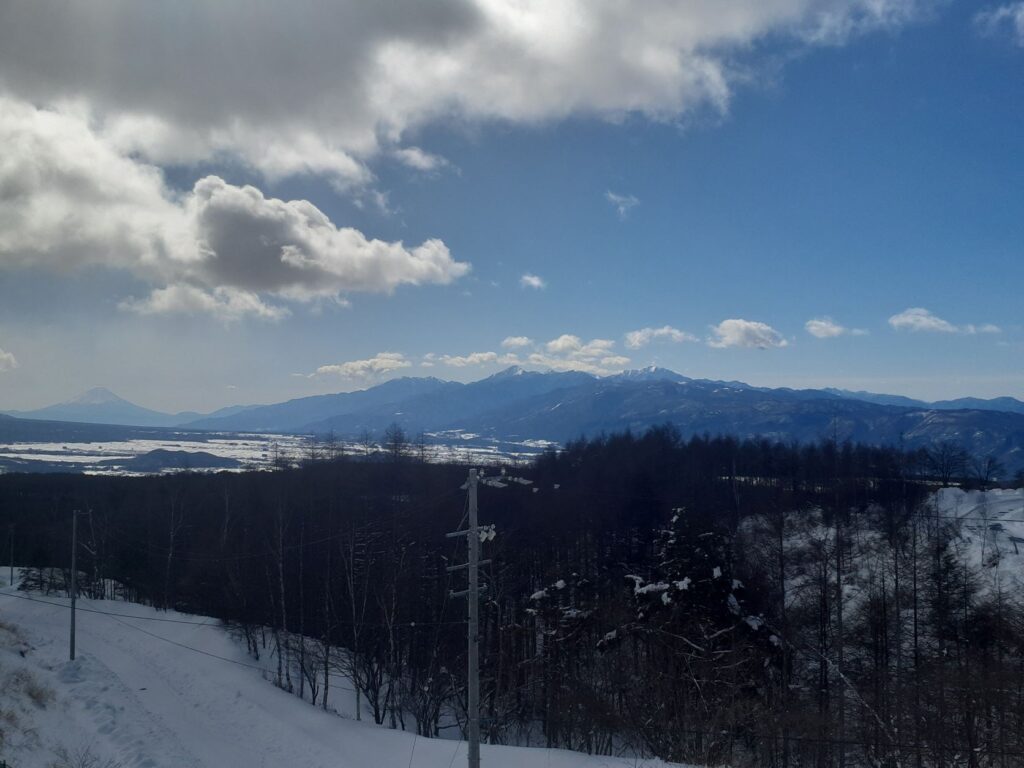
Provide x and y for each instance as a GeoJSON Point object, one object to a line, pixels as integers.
{"type": "Point", "coordinates": [707, 600]}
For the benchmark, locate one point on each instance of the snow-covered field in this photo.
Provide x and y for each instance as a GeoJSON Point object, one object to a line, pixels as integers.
{"type": "Point", "coordinates": [147, 691]}
{"type": "Point", "coordinates": [252, 451]}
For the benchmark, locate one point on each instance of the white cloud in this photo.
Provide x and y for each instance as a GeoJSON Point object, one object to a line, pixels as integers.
{"type": "Point", "coordinates": [824, 328]}
{"type": "Point", "coordinates": [419, 159]}
{"type": "Point", "coordinates": [8, 362]}
{"type": "Point", "coordinates": [827, 328]}
{"type": "Point", "coordinates": [920, 319]}
{"type": "Point", "coordinates": [227, 304]}
{"type": "Point", "coordinates": [614, 362]}
{"type": "Point", "coordinates": [375, 367]}
{"type": "Point", "coordinates": [623, 204]}
{"type": "Point", "coordinates": [516, 342]}
{"type": "Point", "coordinates": [644, 336]}
{"type": "Point", "coordinates": [598, 366]}
{"type": "Point", "coordinates": [564, 344]}
{"type": "Point", "coordinates": [1008, 17]}
{"type": "Point", "coordinates": [293, 249]}
{"type": "Point", "coordinates": [69, 199]}
{"type": "Point", "coordinates": [564, 353]}
{"type": "Point", "coordinates": [310, 87]}
{"type": "Point", "coordinates": [472, 359]}
{"type": "Point", "coordinates": [595, 348]}
{"type": "Point", "coordinates": [746, 334]}
{"type": "Point", "coordinates": [570, 353]}
{"type": "Point", "coordinates": [532, 281]}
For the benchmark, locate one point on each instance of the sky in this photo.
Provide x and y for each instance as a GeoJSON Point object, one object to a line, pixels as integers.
{"type": "Point", "coordinates": [204, 204]}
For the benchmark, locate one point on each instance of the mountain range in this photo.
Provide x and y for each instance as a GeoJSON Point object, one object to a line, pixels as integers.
{"type": "Point", "coordinates": [517, 405]}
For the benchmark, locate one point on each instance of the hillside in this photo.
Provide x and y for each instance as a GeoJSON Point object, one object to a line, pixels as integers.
{"type": "Point", "coordinates": [1006, 404]}
{"type": "Point", "coordinates": [160, 459]}
{"type": "Point", "coordinates": [294, 414]}
{"type": "Point", "coordinates": [165, 689]}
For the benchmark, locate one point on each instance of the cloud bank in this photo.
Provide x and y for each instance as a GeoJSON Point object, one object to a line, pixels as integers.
{"type": "Point", "coordinates": [569, 352]}
{"type": "Point", "coordinates": [364, 370]}
{"type": "Point", "coordinates": [320, 88]}
{"type": "Point", "coordinates": [97, 97]}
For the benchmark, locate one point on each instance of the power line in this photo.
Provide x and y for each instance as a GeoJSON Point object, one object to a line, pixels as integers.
{"type": "Point", "coordinates": [168, 620]}
{"type": "Point", "coordinates": [187, 647]}
{"type": "Point", "coordinates": [106, 613]}
{"type": "Point", "coordinates": [114, 616]}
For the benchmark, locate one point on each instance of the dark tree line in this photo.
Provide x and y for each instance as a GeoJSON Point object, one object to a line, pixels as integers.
{"type": "Point", "coordinates": [709, 600]}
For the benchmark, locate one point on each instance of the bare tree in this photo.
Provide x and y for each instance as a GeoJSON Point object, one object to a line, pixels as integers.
{"type": "Point", "coordinates": [947, 461]}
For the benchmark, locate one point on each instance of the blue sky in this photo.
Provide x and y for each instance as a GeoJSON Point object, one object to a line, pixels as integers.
{"type": "Point", "coordinates": [850, 171]}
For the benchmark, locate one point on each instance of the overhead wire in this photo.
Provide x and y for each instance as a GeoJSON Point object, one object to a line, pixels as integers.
{"type": "Point", "coordinates": [169, 620]}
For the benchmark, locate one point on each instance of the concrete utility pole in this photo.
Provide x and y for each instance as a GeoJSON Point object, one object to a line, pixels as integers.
{"type": "Point", "coordinates": [74, 576]}
{"type": "Point", "coordinates": [473, 694]}
{"type": "Point", "coordinates": [474, 537]}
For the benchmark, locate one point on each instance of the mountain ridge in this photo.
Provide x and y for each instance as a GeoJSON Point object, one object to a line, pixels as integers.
{"type": "Point", "coordinates": [100, 405]}
{"type": "Point", "coordinates": [518, 404]}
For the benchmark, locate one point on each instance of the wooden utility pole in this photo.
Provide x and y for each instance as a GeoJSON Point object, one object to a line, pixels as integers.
{"type": "Point", "coordinates": [74, 576]}
{"type": "Point", "coordinates": [474, 537]}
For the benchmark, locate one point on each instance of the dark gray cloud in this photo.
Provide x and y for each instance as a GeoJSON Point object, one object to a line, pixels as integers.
{"type": "Point", "coordinates": [96, 97]}
{"type": "Point", "coordinates": [313, 87]}
{"type": "Point", "coordinates": [69, 200]}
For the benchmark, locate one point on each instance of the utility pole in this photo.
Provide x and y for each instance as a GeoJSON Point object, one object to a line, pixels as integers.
{"type": "Point", "coordinates": [473, 683]}
{"type": "Point", "coordinates": [475, 536]}
{"type": "Point", "coordinates": [10, 581]}
{"type": "Point", "coordinates": [74, 575]}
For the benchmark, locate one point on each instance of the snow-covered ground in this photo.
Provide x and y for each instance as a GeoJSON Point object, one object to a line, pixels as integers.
{"type": "Point", "coordinates": [147, 691]}
{"type": "Point", "coordinates": [255, 451]}
{"type": "Point", "coordinates": [991, 530]}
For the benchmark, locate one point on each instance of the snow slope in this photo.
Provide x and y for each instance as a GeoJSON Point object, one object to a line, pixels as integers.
{"type": "Point", "coordinates": [989, 523]}
{"type": "Point", "coordinates": [138, 697]}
